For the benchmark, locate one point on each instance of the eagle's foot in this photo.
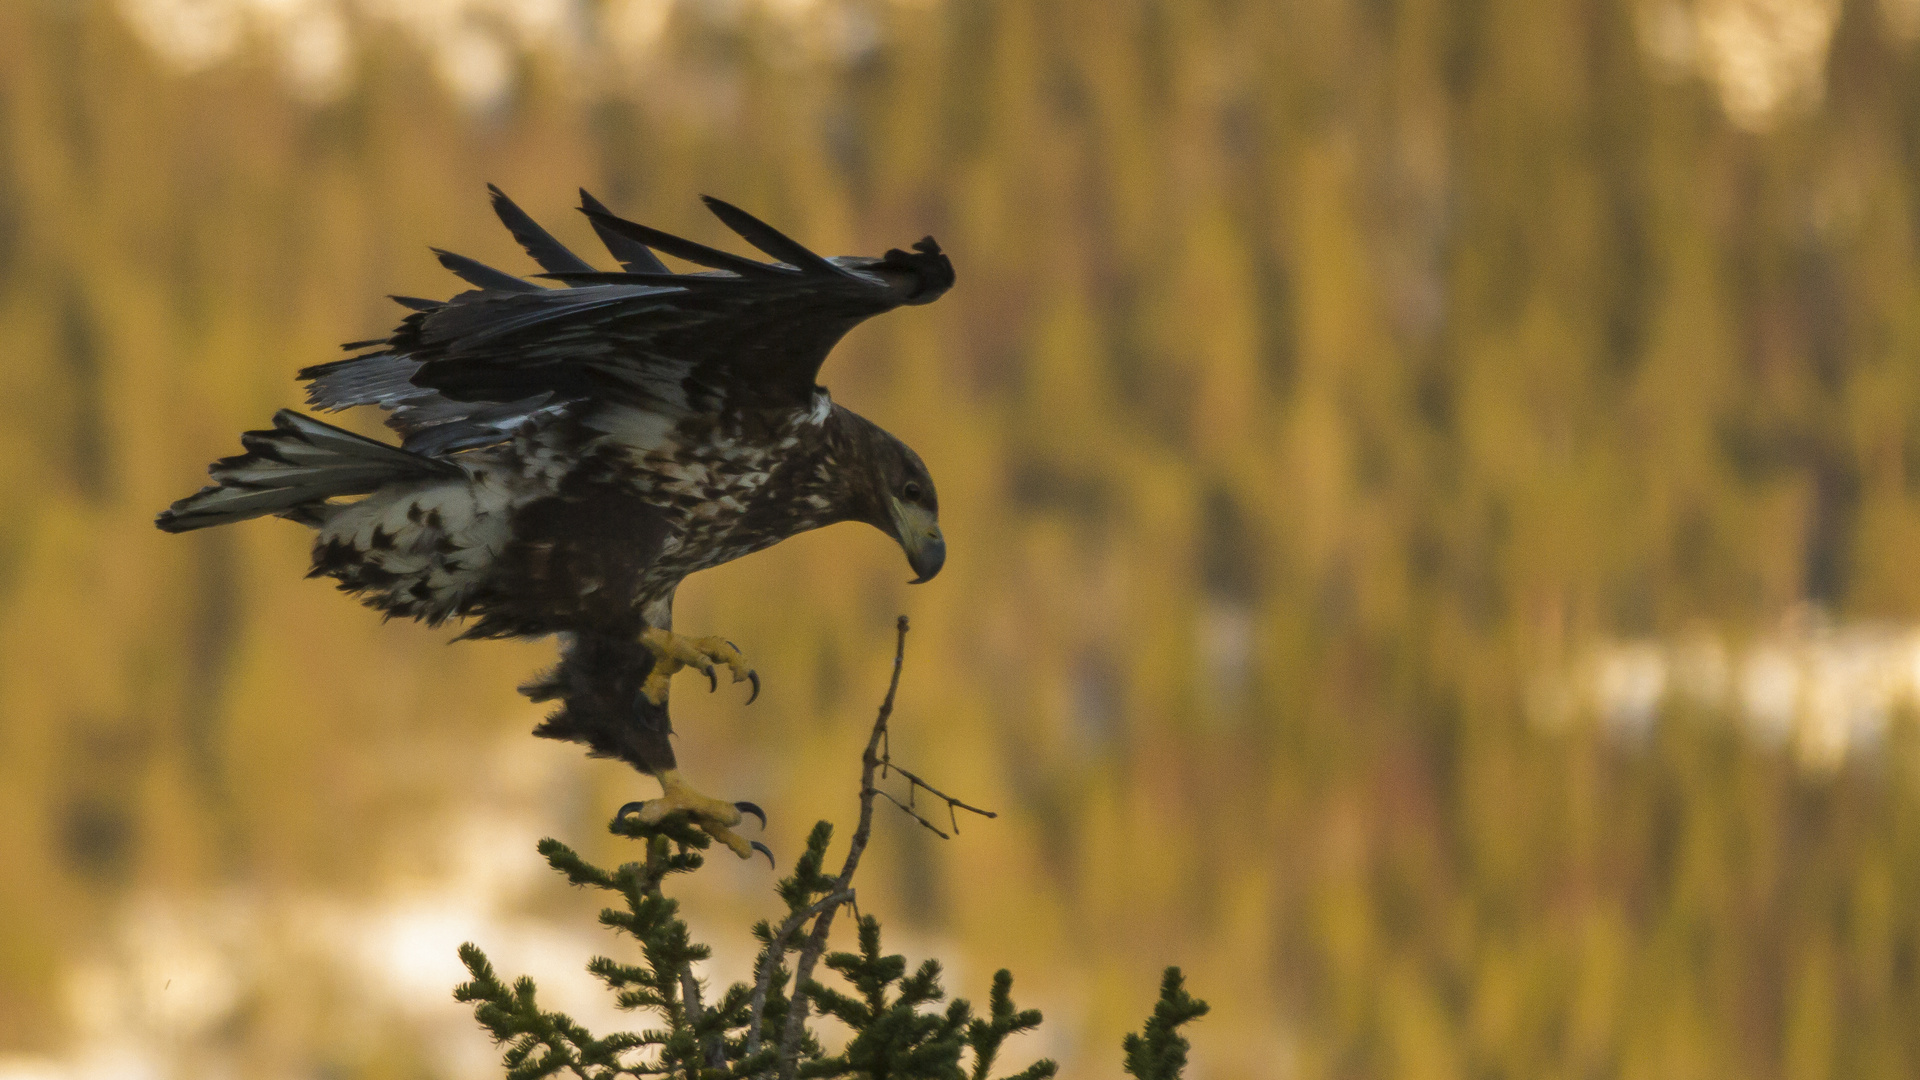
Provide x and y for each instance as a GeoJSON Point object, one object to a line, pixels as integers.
{"type": "Point", "coordinates": [715, 817]}
{"type": "Point", "coordinates": [671, 652]}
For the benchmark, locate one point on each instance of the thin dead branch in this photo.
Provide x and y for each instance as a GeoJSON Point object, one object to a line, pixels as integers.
{"type": "Point", "coordinates": [875, 762]}
{"type": "Point", "coordinates": [817, 940]}
{"type": "Point", "coordinates": [916, 785]}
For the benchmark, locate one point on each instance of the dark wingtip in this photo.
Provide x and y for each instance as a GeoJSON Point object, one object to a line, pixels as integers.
{"type": "Point", "coordinates": [679, 246]}
{"type": "Point", "coordinates": [768, 239]}
{"type": "Point", "coordinates": [479, 274]}
{"type": "Point", "coordinates": [931, 270]}
{"type": "Point", "coordinates": [536, 241]}
{"type": "Point", "coordinates": [635, 256]}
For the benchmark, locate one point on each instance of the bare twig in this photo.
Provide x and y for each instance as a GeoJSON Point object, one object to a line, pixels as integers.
{"type": "Point", "coordinates": [817, 941]}
{"type": "Point", "coordinates": [877, 759]}
{"type": "Point", "coordinates": [951, 801]}
{"type": "Point", "coordinates": [915, 815]}
{"type": "Point", "coordinates": [776, 951]}
{"type": "Point", "coordinates": [915, 784]}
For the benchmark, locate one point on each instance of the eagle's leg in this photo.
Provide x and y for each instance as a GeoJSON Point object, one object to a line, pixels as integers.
{"type": "Point", "coordinates": [671, 652]}
{"type": "Point", "coordinates": [714, 816]}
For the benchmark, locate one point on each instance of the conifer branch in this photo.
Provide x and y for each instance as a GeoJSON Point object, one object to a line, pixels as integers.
{"type": "Point", "coordinates": [1160, 1051]}
{"type": "Point", "coordinates": [984, 1036]}
{"type": "Point", "coordinates": [776, 951]}
{"type": "Point", "coordinates": [759, 1031]}
{"type": "Point", "coordinates": [894, 1032]}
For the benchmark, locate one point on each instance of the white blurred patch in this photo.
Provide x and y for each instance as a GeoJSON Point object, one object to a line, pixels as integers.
{"type": "Point", "coordinates": [1770, 692]}
{"type": "Point", "coordinates": [1764, 54]}
{"type": "Point", "coordinates": [1830, 692]}
{"type": "Point", "coordinates": [316, 52]}
{"type": "Point", "coordinates": [475, 65]}
{"type": "Point", "coordinates": [157, 994]}
{"type": "Point", "coordinates": [189, 34]}
{"type": "Point", "coordinates": [475, 47]}
{"type": "Point", "coordinates": [123, 1062]}
{"type": "Point", "coordinates": [1630, 682]}
{"type": "Point", "coordinates": [1763, 57]}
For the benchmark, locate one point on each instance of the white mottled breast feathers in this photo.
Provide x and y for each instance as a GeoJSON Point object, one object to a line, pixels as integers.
{"type": "Point", "coordinates": [427, 548]}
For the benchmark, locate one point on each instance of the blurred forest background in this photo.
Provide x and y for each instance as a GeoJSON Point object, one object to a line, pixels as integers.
{"type": "Point", "coordinates": [1432, 490]}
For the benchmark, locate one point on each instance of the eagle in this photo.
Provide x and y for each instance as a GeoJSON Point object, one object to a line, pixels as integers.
{"type": "Point", "coordinates": [570, 452]}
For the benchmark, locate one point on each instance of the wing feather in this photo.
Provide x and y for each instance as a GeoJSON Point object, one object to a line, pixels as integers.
{"type": "Point", "coordinates": [637, 257]}
{"type": "Point", "coordinates": [769, 239]}
{"type": "Point", "coordinates": [696, 253]}
{"type": "Point", "coordinates": [479, 273]}
{"type": "Point", "coordinates": [551, 254]}
{"type": "Point", "coordinates": [470, 370]}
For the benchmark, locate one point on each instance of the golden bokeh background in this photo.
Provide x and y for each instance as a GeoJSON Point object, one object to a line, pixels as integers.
{"type": "Point", "coordinates": [1432, 490]}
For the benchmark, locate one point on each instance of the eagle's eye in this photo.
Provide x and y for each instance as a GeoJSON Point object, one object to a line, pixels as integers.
{"type": "Point", "coordinates": [911, 492]}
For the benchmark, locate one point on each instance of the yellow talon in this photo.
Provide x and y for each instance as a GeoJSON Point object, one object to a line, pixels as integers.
{"type": "Point", "coordinates": [730, 838]}
{"type": "Point", "coordinates": [671, 652]}
{"type": "Point", "coordinates": [714, 816]}
{"type": "Point", "coordinates": [676, 794]}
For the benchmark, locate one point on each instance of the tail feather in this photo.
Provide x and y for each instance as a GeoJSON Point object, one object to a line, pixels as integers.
{"type": "Point", "coordinates": [298, 462]}
{"type": "Point", "coordinates": [372, 379]}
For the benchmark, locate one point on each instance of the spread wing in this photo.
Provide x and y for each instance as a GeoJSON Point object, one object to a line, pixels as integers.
{"type": "Point", "coordinates": [469, 371]}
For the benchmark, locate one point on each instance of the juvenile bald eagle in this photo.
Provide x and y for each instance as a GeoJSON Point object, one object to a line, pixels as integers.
{"type": "Point", "coordinates": [569, 454]}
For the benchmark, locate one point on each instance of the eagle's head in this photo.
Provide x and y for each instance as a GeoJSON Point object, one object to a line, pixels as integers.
{"type": "Point", "coordinates": [888, 487]}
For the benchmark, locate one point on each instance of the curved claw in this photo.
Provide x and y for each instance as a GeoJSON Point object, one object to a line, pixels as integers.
{"type": "Point", "coordinates": [713, 681]}
{"type": "Point", "coordinates": [754, 678]}
{"type": "Point", "coordinates": [764, 850]}
{"type": "Point", "coordinates": [629, 808]}
{"type": "Point", "coordinates": [749, 808]}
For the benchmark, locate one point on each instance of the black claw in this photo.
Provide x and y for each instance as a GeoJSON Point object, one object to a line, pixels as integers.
{"type": "Point", "coordinates": [630, 808]}
{"type": "Point", "coordinates": [764, 850]}
{"type": "Point", "coordinates": [749, 808]}
{"type": "Point", "coordinates": [713, 682]}
{"type": "Point", "coordinates": [754, 678]}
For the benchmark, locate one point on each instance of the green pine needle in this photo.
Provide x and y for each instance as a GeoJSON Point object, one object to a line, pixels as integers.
{"type": "Point", "coordinates": [902, 1025]}
{"type": "Point", "coordinates": [1160, 1051]}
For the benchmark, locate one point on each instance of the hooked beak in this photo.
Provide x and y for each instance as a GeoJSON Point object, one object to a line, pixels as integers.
{"type": "Point", "coordinates": [919, 535]}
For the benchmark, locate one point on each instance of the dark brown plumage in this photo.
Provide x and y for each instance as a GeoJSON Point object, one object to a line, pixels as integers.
{"type": "Point", "coordinates": [569, 455]}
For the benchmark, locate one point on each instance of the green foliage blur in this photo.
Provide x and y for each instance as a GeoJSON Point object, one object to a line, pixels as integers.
{"type": "Point", "coordinates": [1319, 373]}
